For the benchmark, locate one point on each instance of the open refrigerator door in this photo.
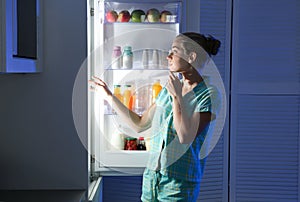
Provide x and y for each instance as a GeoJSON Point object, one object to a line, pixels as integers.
{"type": "Point", "coordinates": [128, 45]}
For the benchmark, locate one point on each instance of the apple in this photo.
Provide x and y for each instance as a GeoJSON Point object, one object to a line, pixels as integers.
{"type": "Point", "coordinates": [111, 16]}
{"type": "Point", "coordinates": [124, 16]}
{"type": "Point", "coordinates": [163, 15]}
{"type": "Point", "coordinates": [153, 15]}
{"type": "Point", "coordinates": [136, 15]}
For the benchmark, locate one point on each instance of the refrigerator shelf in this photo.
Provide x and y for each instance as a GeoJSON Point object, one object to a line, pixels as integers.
{"type": "Point", "coordinates": [127, 152]}
{"type": "Point", "coordinates": [140, 23]}
{"type": "Point", "coordinates": [137, 69]}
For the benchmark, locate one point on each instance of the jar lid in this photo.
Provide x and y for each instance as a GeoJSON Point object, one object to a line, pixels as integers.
{"type": "Point", "coordinates": [141, 138]}
{"type": "Point", "coordinates": [127, 48]}
{"type": "Point", "coordinates": [130, 138]}
{"type": "Point", "coordinates": [117, 48]}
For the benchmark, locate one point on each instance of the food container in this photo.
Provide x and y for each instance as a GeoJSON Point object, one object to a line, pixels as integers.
{"type": "Point", "coordinates": [130, 143]}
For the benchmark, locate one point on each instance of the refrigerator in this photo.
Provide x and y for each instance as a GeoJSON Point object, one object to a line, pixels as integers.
{"type": "Point", "coordinates": [149, 31]}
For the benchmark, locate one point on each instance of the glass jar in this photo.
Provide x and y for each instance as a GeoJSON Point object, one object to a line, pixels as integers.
{"type": "Point", "coordinates": [130, 143]}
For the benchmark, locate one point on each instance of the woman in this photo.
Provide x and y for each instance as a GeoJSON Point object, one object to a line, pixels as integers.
{"type": "Point", "coordinates": [179, 120]}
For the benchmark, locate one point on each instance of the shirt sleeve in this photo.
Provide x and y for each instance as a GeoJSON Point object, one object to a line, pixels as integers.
{"type": "Point", "coordinates": [205, 100]}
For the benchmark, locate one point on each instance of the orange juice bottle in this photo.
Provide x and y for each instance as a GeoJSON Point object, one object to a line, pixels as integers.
{"type": "Point", "coordinates": [117, 92]}
{"type": "Point", "coordinates": [127, 96]}
{"type": "Point", "coordinates": [156, 88]}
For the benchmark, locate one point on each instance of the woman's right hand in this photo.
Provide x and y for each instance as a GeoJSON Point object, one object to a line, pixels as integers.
{"type": "Point", "coordinates": [98, 85]}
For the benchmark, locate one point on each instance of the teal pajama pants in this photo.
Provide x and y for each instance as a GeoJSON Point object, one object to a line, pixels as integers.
{"type": "Point", "coordinates": [157, 187]}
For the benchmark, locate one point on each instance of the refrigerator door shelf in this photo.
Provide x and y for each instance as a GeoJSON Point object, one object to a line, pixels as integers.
{"type": "Point", "coordinates": [120, 171]}
{"type": "Point", "coordinates": [120, 159]}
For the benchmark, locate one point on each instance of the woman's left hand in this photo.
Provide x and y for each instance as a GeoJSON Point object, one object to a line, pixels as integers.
{"type": "Point", "coordinates": [174, 85]}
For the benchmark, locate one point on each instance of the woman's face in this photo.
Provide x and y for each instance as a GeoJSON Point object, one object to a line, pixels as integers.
{"type": "Point", "coordinates": [177, 60]}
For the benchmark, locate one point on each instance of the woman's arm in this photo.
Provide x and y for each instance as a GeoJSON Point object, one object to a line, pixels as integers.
{"type": "Point", "coordinates": [136, 122]}
{"type": "Point", "coordinates": [187, 127]}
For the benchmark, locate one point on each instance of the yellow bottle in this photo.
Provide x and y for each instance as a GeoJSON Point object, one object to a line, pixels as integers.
{"type": "Point", "coordinates": [127, 96]}
{"type": "Point", "coordinates": [117, 92]}
{"type": "Point", "coordinates": [156, 88]}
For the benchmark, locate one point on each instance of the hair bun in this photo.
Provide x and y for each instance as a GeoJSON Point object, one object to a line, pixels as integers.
{"type": "Point", "coordinates": [213, 45]}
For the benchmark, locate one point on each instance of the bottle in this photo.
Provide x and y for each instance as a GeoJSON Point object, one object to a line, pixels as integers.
{"type": "Point", "coordinates": [156, 88]}
{"type": "Point", "coordinates": [116, 58]}
{"type": "Point", "coordinates": [155, 59]}
{"type": "Point", "coordinates": [127, 58]}
{"type": "Point", "coordinates": [141, 145]}
{"type": "Point", "coordinates": [117, 92]}
{"type": "Point", "coordinates": [127, 96]}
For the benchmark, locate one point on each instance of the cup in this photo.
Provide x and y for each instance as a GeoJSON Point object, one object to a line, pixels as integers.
{"type": "Point", "coordinates": [145, 58]}
{"type": "Point", "coordinates": [155, 59]}
{"type": "Point", "coordinates": [163, 60]}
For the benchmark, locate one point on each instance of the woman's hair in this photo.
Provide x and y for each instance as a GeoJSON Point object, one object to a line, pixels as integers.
{"type": "Point", "coordinates": [208, 43]}
{"type": "Point", "coordinates": [203, 46]}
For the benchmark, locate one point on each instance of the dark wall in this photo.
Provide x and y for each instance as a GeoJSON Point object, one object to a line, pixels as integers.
{"type": "Point", "coordinates": [39, 145]}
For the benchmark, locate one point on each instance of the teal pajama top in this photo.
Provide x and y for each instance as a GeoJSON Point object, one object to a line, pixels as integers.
{"type": "Point", "coordinates": [167, 154]}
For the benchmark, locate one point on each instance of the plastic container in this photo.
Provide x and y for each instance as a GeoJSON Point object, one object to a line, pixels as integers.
{"type": "Point", "coordinates": [116, 58]}
{"type": "Point", "coordinates": [127, 58]}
